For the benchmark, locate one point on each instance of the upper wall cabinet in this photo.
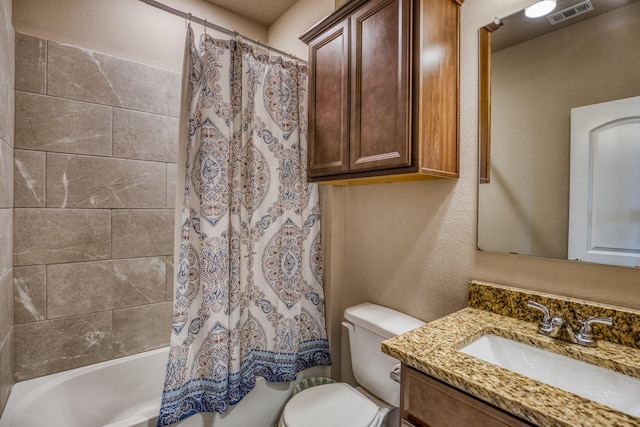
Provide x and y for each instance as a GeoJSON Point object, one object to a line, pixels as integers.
{"type": "Point", "coordinates": [384, 92]}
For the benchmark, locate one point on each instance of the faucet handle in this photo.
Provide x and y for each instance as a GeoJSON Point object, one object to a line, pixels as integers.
{"type": "Point", "coordinates": [545, 327]}
{"type": "Point", "coordinates": [585, 335]}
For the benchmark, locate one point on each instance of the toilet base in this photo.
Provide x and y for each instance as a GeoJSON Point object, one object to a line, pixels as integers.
{"type": "Point", "coordinates": [381, 417]}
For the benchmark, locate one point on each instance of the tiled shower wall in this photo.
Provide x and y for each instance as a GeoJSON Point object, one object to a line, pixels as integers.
{"type": "Point", "coordinates": [6, 199]}
{"type": "Point", "coordinates": [95, 152]}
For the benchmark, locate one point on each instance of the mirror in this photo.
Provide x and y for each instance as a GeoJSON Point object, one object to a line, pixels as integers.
{"type": "Point", "coordinates": [533, 76]}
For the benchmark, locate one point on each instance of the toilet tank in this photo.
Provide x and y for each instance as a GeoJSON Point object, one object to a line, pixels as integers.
{"type": "Point", "coordinates": [369, 325]}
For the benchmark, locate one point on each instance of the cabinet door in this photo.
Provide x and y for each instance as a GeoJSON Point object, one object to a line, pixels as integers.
{"type": "Point", "coordinates": [427, 402]}
{"type": "Point", "coordinates": [329, 102]}
{"type": "Point", "coordinates": [380, 72]}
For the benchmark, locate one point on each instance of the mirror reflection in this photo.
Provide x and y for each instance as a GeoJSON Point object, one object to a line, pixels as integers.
{"type": "Point", "coordinates": [558, 184]}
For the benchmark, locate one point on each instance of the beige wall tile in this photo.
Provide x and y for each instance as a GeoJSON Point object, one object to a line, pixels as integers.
{"type": "Point", "coordinates": [29, 179]}
{"type": "Point", "coordinates": [174, 89]}
{"type": "Point", "coordinates": [29, 292]}
{"type": "Point", "coordinates": [42, 348]}
{"type": "Point", "coordinates": [7, 60]}
{"type": "Point", "coordinates": [7, 41]}
{"type": "Point", "coordinates": [31, 61]}
{"type": "Point", "coordinates": [6, 369]}
{"type": "Point", "coordinates": [6, 240]}
{"type": "Point", "coordinates": [89, 287]}
{"type": "Point", "coordinates": [84, 75]}
{"type": "Point", "coordinates": [170, 278]}
{"type": "Point", "coordinates": [49, 236]}
{"type": "Point", "coordinates": [97, 182]}
{"type": "Point", "coordinates": [144, 136]}
{"type": "Point", "coordinates": [141, 328]}
{"type": "Point", "coordinates": [6, 303]}
{"type": "Point", "coordinates": [61, 125]}
{"type": "Point", "coordinates": [80, 285]}
{"type": "Point", "coordinates": [6, 110]}
{"type": "Point", "coordinates": [171, 185]}
{"type": "Point", "coordinates": [63, 310]}
{"type": "Point", "coordinates": [140, 233]}
{"type": "Point", "coordinates": [6, 175]}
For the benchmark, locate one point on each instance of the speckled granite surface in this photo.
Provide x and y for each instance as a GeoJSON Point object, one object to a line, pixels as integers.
{"type": "Point", "coordinates": [512, 302]}
{"type": "Point", "coordinates": [433, 349]}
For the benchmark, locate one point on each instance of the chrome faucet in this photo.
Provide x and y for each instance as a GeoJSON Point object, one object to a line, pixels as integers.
{"type": "Point", "coordinates": [556, 327]}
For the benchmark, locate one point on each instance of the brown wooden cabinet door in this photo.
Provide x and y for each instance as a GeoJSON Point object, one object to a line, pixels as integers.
{"type": "Point", "coordinates": [427, 402]}
{"type": "Point", "coordinates": [380, 86]}
{"type": "Point", "coordinates": [436, 78]}
{"type": "Point", "coordinates": [329, 102]}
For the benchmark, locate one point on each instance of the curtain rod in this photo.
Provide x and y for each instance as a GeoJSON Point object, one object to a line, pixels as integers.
{"type": "Point", "coordinates": [213, 26]}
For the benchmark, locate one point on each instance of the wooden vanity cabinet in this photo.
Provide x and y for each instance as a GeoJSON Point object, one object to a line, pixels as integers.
{"type": "Point", "coordinates": [427, 402]}
{"type": "Point", "coordinates": [384, 92]}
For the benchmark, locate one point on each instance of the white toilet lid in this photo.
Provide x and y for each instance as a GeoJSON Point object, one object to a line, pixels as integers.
{"type": "Point", "coordinates": [336, 404]}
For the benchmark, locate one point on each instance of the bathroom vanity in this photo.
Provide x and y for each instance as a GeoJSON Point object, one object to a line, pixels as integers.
{"type": "Point", "coordinates": [445, 383]}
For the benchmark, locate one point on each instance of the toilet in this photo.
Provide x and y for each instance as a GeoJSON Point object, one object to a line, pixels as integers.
{"type": "Point", "coordinates": [341, 405]}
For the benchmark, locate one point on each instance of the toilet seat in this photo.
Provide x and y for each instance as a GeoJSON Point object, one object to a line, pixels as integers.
{"type": "Point", "coordinates": [336, 404]}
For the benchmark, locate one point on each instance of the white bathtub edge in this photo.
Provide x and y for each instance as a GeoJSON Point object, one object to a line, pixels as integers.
{"type": "Point", "coordinates": [20, 396]}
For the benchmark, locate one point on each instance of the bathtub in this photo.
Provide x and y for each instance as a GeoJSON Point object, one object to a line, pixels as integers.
{"type": "Point", "coordinates": [126, 392]}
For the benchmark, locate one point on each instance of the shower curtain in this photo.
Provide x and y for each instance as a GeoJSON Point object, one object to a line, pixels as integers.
{"type": "Point", "coordinates": [248, 300]}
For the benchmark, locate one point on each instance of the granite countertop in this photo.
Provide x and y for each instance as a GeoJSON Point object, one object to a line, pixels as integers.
{"type": "Point", "coordinates": [432, 349]}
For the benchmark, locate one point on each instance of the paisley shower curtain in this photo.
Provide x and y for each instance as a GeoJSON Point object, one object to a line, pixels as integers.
{"type": "Point", "coordinates": [248, 300]}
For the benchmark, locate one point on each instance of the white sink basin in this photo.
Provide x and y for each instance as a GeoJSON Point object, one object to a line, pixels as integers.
{"type": "Point", "coordinates": [604, 386]}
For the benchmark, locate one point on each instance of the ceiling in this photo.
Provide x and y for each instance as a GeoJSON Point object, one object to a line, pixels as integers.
{"type": "Point", "coordinates": [262, 11]}
{"type": "Point", "coordinates": [521, 28]}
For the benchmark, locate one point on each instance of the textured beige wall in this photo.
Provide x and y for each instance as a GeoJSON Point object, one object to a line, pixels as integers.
{"type": "Point", "coordinates": [410, 246]}
{"type": "Point", "coordinates": [284, 33]}
{"type": "Point", "coordinates": [127, 29]}
{"type": "Point", "coordinates": [525, 208]}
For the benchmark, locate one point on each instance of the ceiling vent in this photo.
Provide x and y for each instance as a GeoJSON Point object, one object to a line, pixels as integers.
{"type": "Point", "coordinates": [570, 12]}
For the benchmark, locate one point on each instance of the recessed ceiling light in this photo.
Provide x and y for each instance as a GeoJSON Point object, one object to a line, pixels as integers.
{"type": "Point", "coordinates": [540, 8]}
